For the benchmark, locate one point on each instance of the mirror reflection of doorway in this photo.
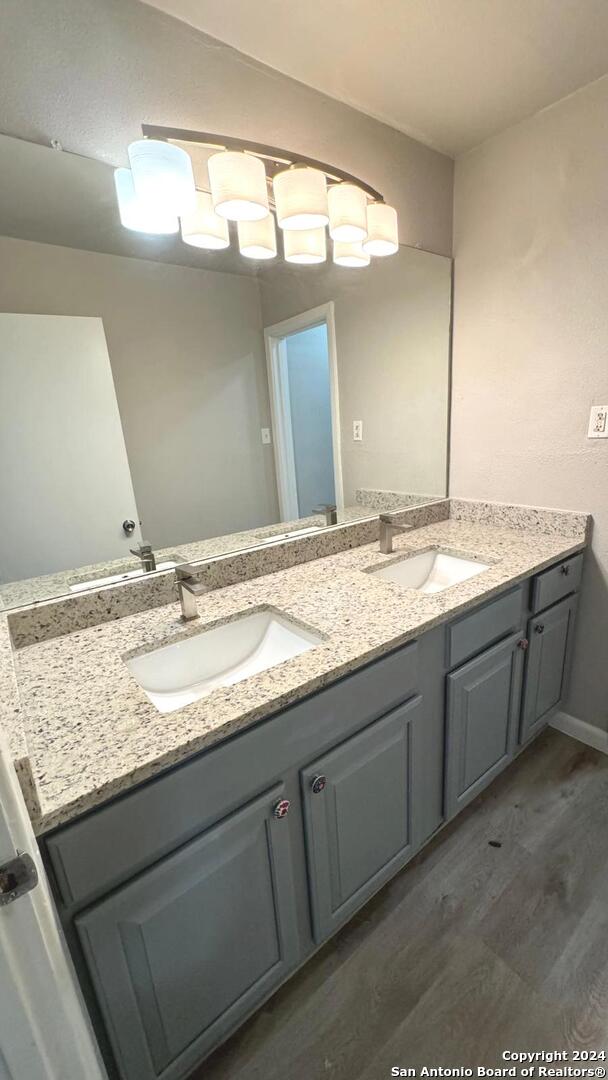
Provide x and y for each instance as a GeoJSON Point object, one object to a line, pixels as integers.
{"type": "Point", "coordinates": [302, 376]}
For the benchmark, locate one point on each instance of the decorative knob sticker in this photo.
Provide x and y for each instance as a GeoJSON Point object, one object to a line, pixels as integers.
{"type": "Point", "coordinates": [318, 784]}
{"type": "Point", "coordinates": [281, 809]}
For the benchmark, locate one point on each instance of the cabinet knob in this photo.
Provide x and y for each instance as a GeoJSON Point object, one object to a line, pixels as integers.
{"type": "Point", "coordinates": [539, 628]}
{"type": "Point", "coordinates": [523, 643]}
{"type": "Point", "coordinates": [565, 569]}
{"type": "Point", "coordinates": [281, 808]}
{"type": "Point", "coordinates": [318, 784]}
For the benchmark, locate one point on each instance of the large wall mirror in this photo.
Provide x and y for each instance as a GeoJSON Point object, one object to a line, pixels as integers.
{"type": "Point", "coordinates": [213, 402]}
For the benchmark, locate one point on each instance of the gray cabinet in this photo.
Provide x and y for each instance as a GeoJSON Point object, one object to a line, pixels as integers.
{"type": "Point", "coordinates": [190, 946]}
{"type": "Point", "coordinates": [550, 639]}
{"type": "Point", "coordinates": [358, 816]}
{"type": "Point", "coordinates": [483, 703]}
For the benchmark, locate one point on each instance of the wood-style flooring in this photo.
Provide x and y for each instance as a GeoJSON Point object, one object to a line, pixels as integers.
{"type": "Point", "coordinates": [471, 950]}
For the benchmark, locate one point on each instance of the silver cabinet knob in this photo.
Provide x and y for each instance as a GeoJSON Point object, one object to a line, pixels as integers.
{"type": "Point", "coordinates": [318, 784]}
{"type": "Point", "coordinates": [539, 629]}
{"type": "Point", "coordinates": [281, 808]}
{"type": "Point", "coordinates": [565, 569]}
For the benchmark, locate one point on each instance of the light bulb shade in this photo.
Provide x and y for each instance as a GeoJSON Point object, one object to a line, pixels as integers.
{"type": "Point", "coordinates": [138, 215]}
{"type": "Point", "coordinates": [382, 230]}
{"type": "Point", "coordinates": [204, 228]}
{"type": "Point", "coordinates": [163, 176]}
{"type": "Point", "coordinates": [350, 254]}
{"type": "Point", "coordinates": [305, 245]}
{"type": "Point", "coordinates": [347, 213]}
{"type": "Point", "coordinates": [238, 186]}
{"type": "Point", "coordinates": [300, 197]}
{"type": "Point", "coordinates": [258, 239]}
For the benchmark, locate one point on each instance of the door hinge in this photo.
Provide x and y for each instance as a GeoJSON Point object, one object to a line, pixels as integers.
{"type": "Point", "coordinates": [17, 877]}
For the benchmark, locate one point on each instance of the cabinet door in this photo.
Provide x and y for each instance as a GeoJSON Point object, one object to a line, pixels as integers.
{"type": "Point", "coordinates": [185, 950]}
{"type": "Point", "coordinates": [550, 637]}
{"type": "Point", "coordinates": [358, 816]}
{"type": "Point", "coordinates": [483, 703]}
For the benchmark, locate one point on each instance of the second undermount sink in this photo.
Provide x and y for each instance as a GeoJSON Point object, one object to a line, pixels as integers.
{"type": "Point", "coordinates": [431, 571]}
{"type": "Point", "coordinates": [178, 674]}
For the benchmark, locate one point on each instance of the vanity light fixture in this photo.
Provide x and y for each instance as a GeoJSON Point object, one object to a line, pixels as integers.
{"type": "Point", "coordinates": [350, 254]}
{"type": "Point", "coordinates": [305, 246]}
{"type": "Point", "coordinates": [248, 183]}
{"type": "Point", "coordinates": [300, 196]}
{"type": "Point", "coordinates": [238, 186]}
{"type": "Point", "coordinates": [163, 176]}
{"type": "Point", "coordinates": [382, 233]}
{"type": "Point", "coordinates": [258, 239]}
{"type": "Point", "coordinates": [136, 214]}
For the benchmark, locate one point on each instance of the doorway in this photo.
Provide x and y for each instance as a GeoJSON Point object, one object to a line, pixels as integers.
{"type": "Point", "coordinates": [303, 381]}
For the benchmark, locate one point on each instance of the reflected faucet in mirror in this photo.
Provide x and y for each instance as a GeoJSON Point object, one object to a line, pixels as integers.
{"type": "Point", "coordinates": [330, 512]}
{"type": "Point", "coordinates": [145, 553]}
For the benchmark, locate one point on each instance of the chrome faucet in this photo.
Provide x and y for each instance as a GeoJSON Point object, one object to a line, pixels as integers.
{"type": "Point", "coordinates": [188, 589]}
{"type": "Point", "coordinates": [388, 529]}
{"type": "Point", "coordinates": [330, 511]}
{"type": "Point", "coordinates": [145, 553]}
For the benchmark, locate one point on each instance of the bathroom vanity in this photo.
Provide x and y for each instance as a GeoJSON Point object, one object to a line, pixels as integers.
{"type": "Point", "coordinates": [188, 898]}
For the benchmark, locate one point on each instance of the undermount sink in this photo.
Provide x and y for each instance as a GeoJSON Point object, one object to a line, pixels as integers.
{"type": "Point", "coordinates": [178, 674]}
{"type": "Point", "coordinates": [431, 571]}
{"type": "Point", "coordinates": [113, 579]}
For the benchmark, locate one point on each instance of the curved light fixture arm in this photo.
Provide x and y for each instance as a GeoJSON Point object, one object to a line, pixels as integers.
{"type": "Point", "coordinates": [274, 157]}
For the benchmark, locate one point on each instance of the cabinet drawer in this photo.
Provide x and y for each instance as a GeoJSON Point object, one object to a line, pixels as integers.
{"type": "Point", "coordinates": [556, 582]}
{"type": "Point", "coordinates": [482, 627]}
{"type": "Point", "coordinates": [110, 845]}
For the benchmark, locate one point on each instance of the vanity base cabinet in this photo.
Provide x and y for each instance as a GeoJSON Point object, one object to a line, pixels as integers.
{"type": "Point", "coordinates": [358, 817]}
{"type": "Point", "coordinates": [483, 705]}
{"type": "Point", "coordinates": [550, 640]}
{"type": "Point", "coordinates": [188, 948]}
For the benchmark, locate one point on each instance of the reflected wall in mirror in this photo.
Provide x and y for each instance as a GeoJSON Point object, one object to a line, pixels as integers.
{"type": "Point", "coordinates": [216, 404]}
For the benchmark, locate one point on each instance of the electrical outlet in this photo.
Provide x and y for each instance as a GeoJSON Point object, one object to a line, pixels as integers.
{"type": "Point", "coordinates": [266, 436]}
{"type": "Point", "coordinates": [357, 430]}
{"type": "Point", "coordinates": [598, 422]}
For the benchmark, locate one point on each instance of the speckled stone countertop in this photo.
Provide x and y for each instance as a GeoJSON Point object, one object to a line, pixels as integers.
{"type": "Point", "coordinates": [91, 731]}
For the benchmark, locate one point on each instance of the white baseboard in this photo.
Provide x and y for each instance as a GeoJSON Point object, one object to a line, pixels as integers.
{"type": "Point", "coordinates": [579, 729]}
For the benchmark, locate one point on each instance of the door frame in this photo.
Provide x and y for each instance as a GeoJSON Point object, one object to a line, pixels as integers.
{"type": "Point", "coordinates": [45, 1032]}
{"type": "Point", "coordinates": [278, 385]}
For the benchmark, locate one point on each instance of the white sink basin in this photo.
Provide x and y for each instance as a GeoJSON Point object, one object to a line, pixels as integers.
{"type": "Point", "coordinates": [430, 571]}
{"type": "Point", "coordinates": [113, 579]}
{"type": "Point", "coordinates": [176, 675]}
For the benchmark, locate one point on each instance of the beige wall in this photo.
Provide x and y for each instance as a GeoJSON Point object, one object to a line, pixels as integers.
{"type": "Point", "coordinates": [190, 379]}
{"type": "Point", "coordinates": [531, 339]}
{"type": "Point", "coordinates": [90, 72]}
{"type": "Point", "coordinates": [393, 340]}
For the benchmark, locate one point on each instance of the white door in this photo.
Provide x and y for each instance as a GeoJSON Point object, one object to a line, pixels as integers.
{"type": "Point", "coordinates": [65, 486]}
{"type": "Point", "coordinates": [308, 467]}
{"type": "Point", "coordinates": [44, 1031]}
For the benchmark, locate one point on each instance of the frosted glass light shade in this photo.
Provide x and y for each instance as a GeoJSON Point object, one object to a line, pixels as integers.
{"type": "Point", "coordinates": [350, 254]}
{"type": "Point", "coordinates": [238, 186]}
{"type": "Point", "coordinates": [258, 239]}
{"type": "Point", "coordinates": [382, 230]}
{"type": "Point", "coordinates": [204, 228]}
{"type": "Point", "coordinates": [347, 213]}
{"type": "Point", "coordinates": [136, 214]}
{"type": "Point", "coordinates": [163, 176]}
{"type": "Point", "coordinates": [300, 197]}
{"type": "Point", "coordinates": [305, 245]}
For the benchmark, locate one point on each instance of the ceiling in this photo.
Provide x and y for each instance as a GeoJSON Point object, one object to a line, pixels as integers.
{"type": "Point", "coordinates": [450, 73]}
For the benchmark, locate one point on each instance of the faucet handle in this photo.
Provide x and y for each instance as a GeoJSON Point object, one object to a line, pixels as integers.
{"type": "Point", "coordinates": [141, 549]}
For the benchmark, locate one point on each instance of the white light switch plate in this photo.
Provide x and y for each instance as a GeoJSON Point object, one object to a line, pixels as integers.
{"type": "Point", "coordinates": [357, 430]}
{"type": "Point", "coordinates": [598, 422]}
{"type": "Point", "coordinates": [266, 435]}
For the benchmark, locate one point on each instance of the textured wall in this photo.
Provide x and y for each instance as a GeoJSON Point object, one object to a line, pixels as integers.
{"type": "Point", "coordinates": [531, 338]}
{"type": "Point", "coordinates": [90, 72]}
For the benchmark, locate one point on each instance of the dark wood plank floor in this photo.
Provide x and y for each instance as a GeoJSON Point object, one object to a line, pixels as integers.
{"type": "Point", "coordinates": [472, 949]}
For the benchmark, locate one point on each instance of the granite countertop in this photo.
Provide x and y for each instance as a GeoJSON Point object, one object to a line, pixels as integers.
{"type": "Point", "coordinates": [91, 731]}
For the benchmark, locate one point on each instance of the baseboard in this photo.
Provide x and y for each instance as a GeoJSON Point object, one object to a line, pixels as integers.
{"type": "Point", "coordinates": [579, 729]}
